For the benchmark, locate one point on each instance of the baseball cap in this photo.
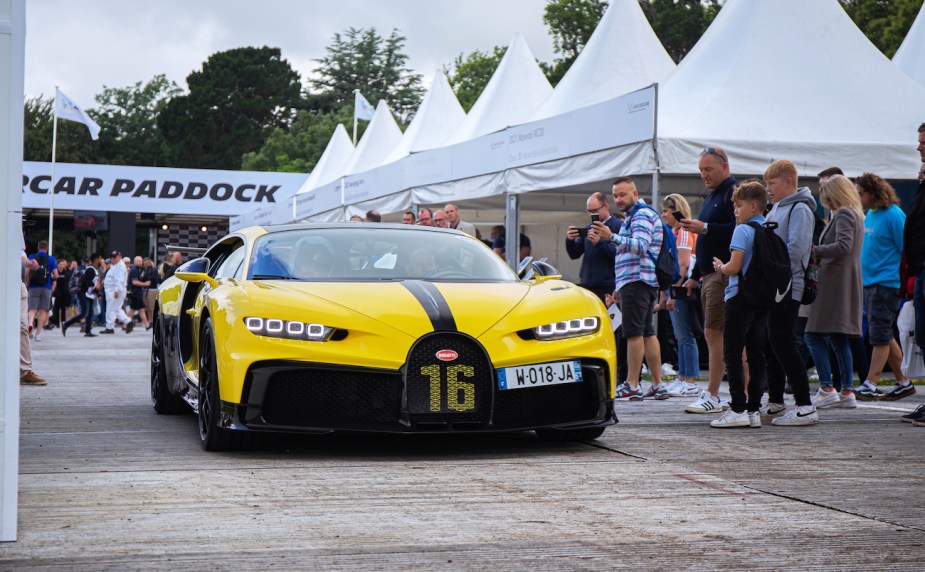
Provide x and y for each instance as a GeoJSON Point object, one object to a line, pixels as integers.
{"type": "Point", "coordinates": [116, 253]}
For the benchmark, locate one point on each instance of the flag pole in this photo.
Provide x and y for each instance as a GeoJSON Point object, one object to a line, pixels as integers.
{"type": "Point", "coordinates": [51, 190]}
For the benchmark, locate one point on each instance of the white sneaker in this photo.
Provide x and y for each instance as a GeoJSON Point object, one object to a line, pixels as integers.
{"type": "Point", "coordinates": [754, 419]}
{"type": "Point", "coordinates": [681, 388]}
{"type": "Point", "coordinates": [706, 403]}
{"type": "Point", "coordinates": [672, 386]}
{"type": "Point", "coordinates": [772, 409]}
{"type": "Point", "coordinates": [645, 369]}
{"type": "Point", "coordinates": [825, 398]}
{"type": "Point", "coordinates": [731, 419]}
{"type": "Point", "coordinates": [846, 402]}
{"type": "Point", "coordinates": [668, 370]}
{"type": "Point", "coordinates": [38, 337]}
{"type": "Point", "coordinates": [802, 415]}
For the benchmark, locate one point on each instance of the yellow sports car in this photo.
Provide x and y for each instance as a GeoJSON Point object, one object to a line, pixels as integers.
{"type": "Point", "coordinates": [374, 327]}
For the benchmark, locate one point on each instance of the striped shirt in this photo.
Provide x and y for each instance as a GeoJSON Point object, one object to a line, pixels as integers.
{"type": "Point", "coordinates": [638, 244]}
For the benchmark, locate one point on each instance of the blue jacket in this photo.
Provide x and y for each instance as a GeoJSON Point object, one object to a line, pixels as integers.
{"type": "Point", "coordinates": [597, 264]}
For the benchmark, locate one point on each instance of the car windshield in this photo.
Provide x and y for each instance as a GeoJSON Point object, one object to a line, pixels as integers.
{"type": "Point", "coordinates": [374, 254]}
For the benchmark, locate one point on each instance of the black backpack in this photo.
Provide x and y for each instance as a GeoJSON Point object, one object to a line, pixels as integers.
{"type": "Point", "coordinates": [39, 276]}
{"type": "Point", "coordinates": [811, 270]}
{"type": "Point", "coordinates": [76, 279]}
{"type": "Point", "coordinates": [768, 279]}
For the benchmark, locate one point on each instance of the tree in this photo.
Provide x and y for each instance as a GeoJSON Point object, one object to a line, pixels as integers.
{"type": "Point", "coordinates": [128, 116]}
{"type": "Point", "coordinates": [679, 23]}
{"type": "Point", "coordinates": [468, 76]}
{"type": "Point", "coordinates": [298, 150]}
{"type": "Point", "coordinates": [884, 22]}
{"type": "Point", "coordinates": [234, 103]}
{"type": "Point", "coordinates": [74, 143]}
{"type": "Point", "coordinates": [570, 23]}
{"type": "Point", "coordinates": [362, 59]}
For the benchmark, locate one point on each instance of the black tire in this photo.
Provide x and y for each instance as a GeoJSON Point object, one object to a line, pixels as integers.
{"type": "Point", "coordinates": [164, 402]}
{"type": "Point", "coordinates": [562, 435]}
{"type": "Point", "coordinates": [213, 437]}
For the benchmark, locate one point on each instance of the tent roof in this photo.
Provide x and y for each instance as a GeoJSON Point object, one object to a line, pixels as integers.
{"type": "Point", "coordinates": [381, 136]}
{"type": "Point", "coordinates": [910, 57]}
{"type": "Point", "coordinates": [332, 161]}
{"type": "Point", "coordinates": [515, 91]}
{"type": "Point", "coordinates": [789, 79]}
{"type": "Point", "coordinates": [622, 55]}
{"type": "Point", "coordinates": [438, 116]}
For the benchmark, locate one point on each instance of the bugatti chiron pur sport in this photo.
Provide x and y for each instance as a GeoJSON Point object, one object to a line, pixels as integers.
{"type": "Point", "coordinates": [374, 327]}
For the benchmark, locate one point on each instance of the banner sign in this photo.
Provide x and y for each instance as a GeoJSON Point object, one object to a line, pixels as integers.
{"type": "Point", "coordinates": [155, 189]}
{"type": "Point", "coordinates": [607, 125]}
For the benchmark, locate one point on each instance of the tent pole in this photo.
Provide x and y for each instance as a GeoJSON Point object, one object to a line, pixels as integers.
{"type": "Point", "coordinates": [512, 230]}
{"type": "Point", "coordinates": [658, 167]}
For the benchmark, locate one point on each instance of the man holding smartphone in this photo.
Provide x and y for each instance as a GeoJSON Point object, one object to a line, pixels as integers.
{"type": "Point", "coordinates": [597, 261]}
{"type": "Point", "coordinates": [597, 273]}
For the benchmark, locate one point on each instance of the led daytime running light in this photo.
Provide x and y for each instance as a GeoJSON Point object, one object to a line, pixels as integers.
{"type": "Point", "coordinates": [292, 330]}
{"type": "Point", "coordinates": [567, 328]}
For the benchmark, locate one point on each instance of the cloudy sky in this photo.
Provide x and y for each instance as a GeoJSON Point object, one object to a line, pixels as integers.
{"type": "Point", "coordinates": [83, 45]}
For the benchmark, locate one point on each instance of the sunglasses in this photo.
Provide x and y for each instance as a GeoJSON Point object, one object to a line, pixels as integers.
{"type": "Point", "coordinates": [714, 151]}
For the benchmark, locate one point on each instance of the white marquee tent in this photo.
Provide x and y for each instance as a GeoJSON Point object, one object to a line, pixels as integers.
{"type": "Point", "coordinates": [910, 57]}
{"type": "Point", "coordinates": [794, 79]}
{"type": "Point", "coordinates": [622, 55]}
{"type": "Point", "coordinates": [436, 119]}
{"type": "Point", "coordinates": [382, 135]}
{"type": "Point", "coordinates": [514, 92]}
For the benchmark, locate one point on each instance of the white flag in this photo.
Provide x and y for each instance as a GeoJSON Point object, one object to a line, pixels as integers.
{"type": "Point", "coordinates": [362, 109]}
{"type": "Point", "coordinates": [65, 108]}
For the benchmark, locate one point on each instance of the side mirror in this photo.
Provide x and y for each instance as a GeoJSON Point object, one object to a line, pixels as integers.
{"type": "Point", "coordinates": [525, 268]}
{"type": "Point", "coordinates": [544, 271]}
{"type": "Point", "coordinates": [196, 271]}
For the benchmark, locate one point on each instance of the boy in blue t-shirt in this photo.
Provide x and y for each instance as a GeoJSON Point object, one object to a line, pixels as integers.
{"type": "Point", "coordinates": [743, 327]}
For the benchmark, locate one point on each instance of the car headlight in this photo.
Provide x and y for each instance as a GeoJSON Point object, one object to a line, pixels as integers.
{"type": "Point", "coordinates": [290, 330]}
{"type": "Point", "coordinates": [567, 329]}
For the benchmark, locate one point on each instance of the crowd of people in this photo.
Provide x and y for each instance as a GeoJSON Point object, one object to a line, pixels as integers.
{"type": "Point", "coordinates": [61, 294]}
{"type": "Point", "coordinates": [853, 260]}
{"type": "Point", "coordinates": [850, 252]}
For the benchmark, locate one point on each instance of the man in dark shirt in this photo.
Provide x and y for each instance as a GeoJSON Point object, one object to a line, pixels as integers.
{"type": "Point", "coordinates": [714, 225]}
{"type": "Point", "coordinates": [498, 245]}
{"type": "Point", "coordinates": [597, 273]}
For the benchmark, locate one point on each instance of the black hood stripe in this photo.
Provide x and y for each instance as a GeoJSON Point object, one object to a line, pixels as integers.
{"type": "Point", "coordinates": [441, 317]}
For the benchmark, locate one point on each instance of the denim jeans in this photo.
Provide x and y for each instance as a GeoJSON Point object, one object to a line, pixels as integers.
{"type": "Point", "coordinates": [918, 302]}
{"type": "Point", "coordinates": [820, 345]}
{"type": "Point", "coordinates": [688, 356]}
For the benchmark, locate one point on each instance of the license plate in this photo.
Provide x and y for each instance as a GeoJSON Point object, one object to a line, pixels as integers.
{"type": "Point", "coordinates": [536, 375]}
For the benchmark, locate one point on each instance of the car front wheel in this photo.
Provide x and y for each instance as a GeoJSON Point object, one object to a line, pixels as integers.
{"type": "Point", "coordinates": [212, 435]}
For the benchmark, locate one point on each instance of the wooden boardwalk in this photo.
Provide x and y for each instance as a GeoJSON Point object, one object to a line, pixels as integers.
{"type": "Point", "coordinates": [106, 484]}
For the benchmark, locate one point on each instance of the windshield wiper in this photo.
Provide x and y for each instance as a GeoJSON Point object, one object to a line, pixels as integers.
{"type": "Point", "coordinates": [271, 277]}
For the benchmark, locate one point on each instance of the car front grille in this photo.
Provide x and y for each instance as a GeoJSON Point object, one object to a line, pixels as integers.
{"type": "Point", "coordinates": [332, 398]}
{"type": "Point", "coordinates": [455, 389]}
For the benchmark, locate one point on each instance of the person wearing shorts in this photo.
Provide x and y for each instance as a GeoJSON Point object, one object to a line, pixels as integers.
{"type": "Point", "coordinates": [714, 226]}
{"type": "Point", "coordinates": [880, 259]}
{"type": "Point", "coordinates": [40, 294]}
{"type": "Point", "coordinates": [637, 245]}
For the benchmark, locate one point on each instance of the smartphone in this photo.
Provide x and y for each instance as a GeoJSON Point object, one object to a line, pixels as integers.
{"type": "Point", "coordinates": [677, 215]}
{"type": "Point", "coordinates": [595, 218]}
{"type": "Point", "coordinates": [583, 233]}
